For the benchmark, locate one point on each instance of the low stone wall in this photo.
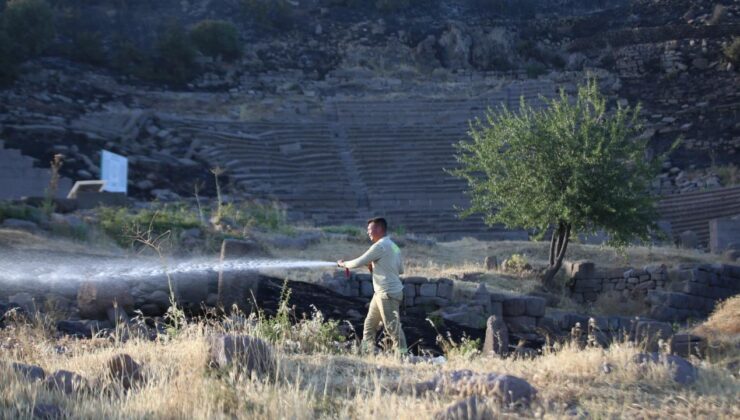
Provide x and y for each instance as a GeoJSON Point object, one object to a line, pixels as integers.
{"type": "Point", "coordinates": [674, 294]}
{"type": "Point", "coordinates": [586, 282]}
{"type": "Point", "coordinates": [417, 291]}
{"type": "Point", "coordinates": [699, 290]}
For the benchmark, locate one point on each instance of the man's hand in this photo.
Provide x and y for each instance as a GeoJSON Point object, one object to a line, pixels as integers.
{"type": "Point", "coordinates": [340, 263]}
{"type": "Point", "coordinates": [370, 267]}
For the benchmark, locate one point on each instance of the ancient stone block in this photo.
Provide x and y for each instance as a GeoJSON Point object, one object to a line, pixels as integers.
{"type": "Point", "coordinates": [497, 337]}
{"type": "Point", "coordinates": [94, 298]}
{"type": "Point", "coordinates": [723, 232]}
{"type": "Point", "coordinates": [445, 288]}
{"type": "Point", "coordinates": [409, 290]}
{"type": "Point", "coordinates": [366, 288]}
{"type": "Point", "coordinates": [430, 301]}
{"type": "Point", "coordinates": [648, 333]}
{"type": "Point", "coordinates": [515, 306]}
{"type": "Point", "coordinates": [428, 289]}
{"type": "Point", "coordinates": [686, 345]}
{"type": "Point", "coordinates": [535, 306]}
{"type": "Point", "coordinates": [521, 324]}
{"type": "Point", "coordinates": [580, 269]}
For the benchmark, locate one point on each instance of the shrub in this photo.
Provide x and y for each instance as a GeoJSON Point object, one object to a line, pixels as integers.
{"type": "Point", "coordinates": [87, 48]}
{"type": "Point", "coordinates": [123, 225]}
{"type": "Point", "coordinates": [8, 60]}
{"type": "Point", "coordinates": [22, 212]}
{"type": "Point", "coordinates": [276, 14]}
{"type": "Point", "coordinates": [175, 56]}
{"type": "Point", "coordinates": [128, 59]}
{"type": "Point", "coordinates": [732, 51]}
{"type": "Point", "coordinates": [216, 37]}
{"type": "Point", "coordinates": [30, 25]}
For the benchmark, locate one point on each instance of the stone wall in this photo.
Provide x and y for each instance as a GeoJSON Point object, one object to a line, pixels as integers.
{"type": "Point", "coordinates": [673, 294]}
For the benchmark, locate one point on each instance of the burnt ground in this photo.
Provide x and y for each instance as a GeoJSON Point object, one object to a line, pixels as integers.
{"type": "Point", "coordinates": [420, 334]}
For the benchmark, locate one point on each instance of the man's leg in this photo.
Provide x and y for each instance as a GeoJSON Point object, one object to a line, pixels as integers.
{"type": "Point", "coordinates": [391, 313]}
{"type": "Point", "coordinates": [372, 321]}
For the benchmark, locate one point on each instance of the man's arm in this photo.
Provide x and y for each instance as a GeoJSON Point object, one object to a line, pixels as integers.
{"type": "Point", "coordinates": [369, 256]}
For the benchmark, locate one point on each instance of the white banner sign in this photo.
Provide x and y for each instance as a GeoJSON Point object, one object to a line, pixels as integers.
{"type": "Point", "coordinates": [114, 171]}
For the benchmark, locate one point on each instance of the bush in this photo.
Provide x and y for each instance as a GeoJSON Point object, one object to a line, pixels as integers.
{"type": "Point", "coordinates": [216, 37]}
{"type": "Point", "coordinates": [175, 56]}
{"type": "Point", "coordinates": [30, 25]}
{"type": "Point", "coordinates": [22, 212]}
{"type": "Point", "coordinates": [732, 51]}
{"type": "Point", "coordinates": [87, 48]}
{"type": "Point", "coordinates": [277, 14]}
{"type": "Point", "coordinates": [128, 59]}
{"type": "Point", "coordinates": [8, 60]}
{"type": "Point", "coordinates": [123, 225]}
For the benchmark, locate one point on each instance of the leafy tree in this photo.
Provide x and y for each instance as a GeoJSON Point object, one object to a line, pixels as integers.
{"type": "Point", "coordinates": [175, 56]}
{"type": "Point", "coordinates": [30, 25]}
{"type": "Point", "coordinates": [572, 166]}
{"type": "Point", "coordinates": [216, 37]}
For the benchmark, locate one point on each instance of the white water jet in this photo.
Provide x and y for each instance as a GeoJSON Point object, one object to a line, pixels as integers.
{"type": "Point", "coordinates": [52, 268]}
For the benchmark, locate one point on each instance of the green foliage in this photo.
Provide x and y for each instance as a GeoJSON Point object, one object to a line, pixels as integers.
{"type": "Point", "coordinates": [30, 25]}
{"type": "Point", "coordinates": [87, 48]}
{"type": "Point", "coordinates": [466, 348]}
{"type": "Point", "coordinates": [128, 59]}
{"type": "Point", "coordinates": [275, 14]}
{"type": "Point", "coordinates": [175, 56]}
{"type": "Point", "coordinates": [572, 163]}
{"type": "Point", "coordinates": [216, 37]}
{"type": "Point", "coordinates": [22, 212]}
{"type": "Point", "coordinates": [732, 51]}
{"type": "Point", "coordinates": [122, 224]}
{"type": "Point", "coordinates": [517, 263]}
{"type": "Point", "coordinates": [268, 216]}
{"type": "Point", "coordinates": [8, 60]}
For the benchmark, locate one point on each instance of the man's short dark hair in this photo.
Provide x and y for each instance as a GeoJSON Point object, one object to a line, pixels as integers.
{"type": "Point", "coordinates": [380, 222]}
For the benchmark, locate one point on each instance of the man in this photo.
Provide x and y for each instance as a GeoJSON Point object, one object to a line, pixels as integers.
{"type": "Point", "coordinates": [383, 259]}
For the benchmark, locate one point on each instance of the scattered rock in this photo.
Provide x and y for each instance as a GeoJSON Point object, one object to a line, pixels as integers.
{"type": "Point", "coordinates": [684, 372]}
{"type": "Point", "coordinates": [505, 389]}
{"type": "Point", "coordinates": [25, 301]}
{"type": "Point", "coordinates": [66, 382]}
{"type": "Point", "coordinates": [124, 369]}
{"type": "Point", "coordinates": [467, 409]}
{"type": "Point", "coordinates": [686, 345]}
{"type": "Point", "coordinates": [649, 334]}
{"type": "Point", "coordinates": [30, 372]}
{"type": "Point", "coordinates": [47, 412]}
{"type": "Point", "coordinates": [94, 299]}
{"type": "Point", "coordinates": [248, 354]}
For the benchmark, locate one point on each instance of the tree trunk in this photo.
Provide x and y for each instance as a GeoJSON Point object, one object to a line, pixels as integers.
{"type": "Point", "coordinates": [558, 246]}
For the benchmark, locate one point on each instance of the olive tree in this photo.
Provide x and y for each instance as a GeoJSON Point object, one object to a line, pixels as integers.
{"type": "Point", "coordinates": [571, 166]}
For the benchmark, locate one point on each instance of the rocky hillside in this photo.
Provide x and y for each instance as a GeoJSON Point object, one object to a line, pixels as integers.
{"type": "Point", "coordinates": [136, 78]}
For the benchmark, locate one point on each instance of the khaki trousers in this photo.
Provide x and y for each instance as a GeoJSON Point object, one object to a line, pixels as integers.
{"type": "Point", "coordinates": [384, 308]}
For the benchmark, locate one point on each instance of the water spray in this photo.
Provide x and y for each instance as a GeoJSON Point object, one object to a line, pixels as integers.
{"type": "Point", "coordinates": [65, 268]}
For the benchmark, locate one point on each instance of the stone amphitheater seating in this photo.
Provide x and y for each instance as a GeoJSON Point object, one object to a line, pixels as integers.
{"type": "Point", "coordinates": [19, 178]}
{"type": "Point", "coordinates": [362, 158]}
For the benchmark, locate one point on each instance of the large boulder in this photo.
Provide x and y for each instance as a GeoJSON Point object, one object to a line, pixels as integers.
{"type": "Point", "coordinates": [497, 337]}
{"type": "Point", "coordinates": [466, 409]}
{"type": "Point", "coordinates": [648, 334]}
{"type": "Point", "coordinates": [123, 369]}
{"type": "Point", "coordinates": [95, 298]}
{"type": "Point", "coordinates": [505, 389]}
{"type": "Point", "coordinates": [683, 371]}
{"type": "Point", "coordinates": [30, 372]}
{"type": "Point", "coordinates": [247, 354]}
{"type": "Point", "coordinates": [66, 382]}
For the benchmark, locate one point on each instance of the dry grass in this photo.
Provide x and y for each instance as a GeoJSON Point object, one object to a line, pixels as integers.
{"type": "Point", "coordinates": [319, 385]}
